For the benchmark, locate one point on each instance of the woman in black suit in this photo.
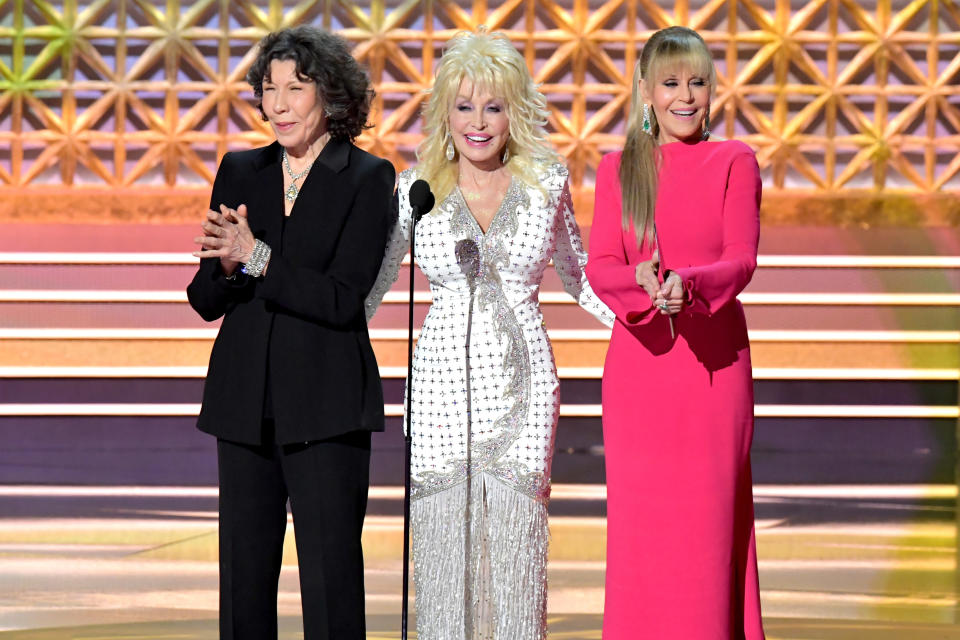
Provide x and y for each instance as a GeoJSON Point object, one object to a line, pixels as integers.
{"type": "Point", "coordinates": [289, 250]}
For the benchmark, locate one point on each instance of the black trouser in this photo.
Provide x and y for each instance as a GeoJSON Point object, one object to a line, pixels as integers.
{"type": "Point", "coordinates": [326, 482]}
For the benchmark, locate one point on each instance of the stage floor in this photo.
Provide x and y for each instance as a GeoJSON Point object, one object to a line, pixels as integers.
{"type": "Point", "coordinates": [562, 627]}
{"type": "Point", "coordinates": [831, 567]}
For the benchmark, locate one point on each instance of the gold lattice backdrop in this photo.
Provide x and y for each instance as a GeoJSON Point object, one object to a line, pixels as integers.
{"type": "Point", "coordinates": [838, 97]}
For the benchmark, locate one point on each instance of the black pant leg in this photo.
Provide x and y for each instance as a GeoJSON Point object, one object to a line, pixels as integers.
{"type": "Point", "coordinates": [328, 482]}
{"type": "Point", "coordinates": [253, 520]}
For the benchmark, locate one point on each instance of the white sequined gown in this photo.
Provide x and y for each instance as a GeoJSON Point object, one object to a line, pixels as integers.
{"type": "Point", "coordinates": [479, 492]}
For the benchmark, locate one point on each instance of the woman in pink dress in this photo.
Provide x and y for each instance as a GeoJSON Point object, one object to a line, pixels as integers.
{"type": "Point", "coordinates": [674, 241]}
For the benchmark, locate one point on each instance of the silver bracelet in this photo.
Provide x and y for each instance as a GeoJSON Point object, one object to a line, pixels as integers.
{"type": "Point", "coordinates": [258, 259]}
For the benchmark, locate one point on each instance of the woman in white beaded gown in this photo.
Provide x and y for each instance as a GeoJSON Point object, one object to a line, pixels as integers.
{"type": "Point", "coordinates": [485, 389]}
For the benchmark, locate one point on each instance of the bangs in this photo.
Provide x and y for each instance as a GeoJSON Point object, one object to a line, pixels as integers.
{"type": "Point", "coordinates": [486, 77]}
{"type": "Point", "coordinates": [674, 57]}
{"type": "Point", "coordinates": [489, 62]}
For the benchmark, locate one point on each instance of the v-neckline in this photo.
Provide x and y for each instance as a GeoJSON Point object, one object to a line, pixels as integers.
{"type": "Point", "coordinates": [496, 215]}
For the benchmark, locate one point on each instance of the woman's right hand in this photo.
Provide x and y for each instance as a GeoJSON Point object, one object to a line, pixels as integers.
{"type": "Point", "coordinates": [671, 296]}
{"type": "Point", "coordinates": [226, 235]}
{"type": "Point", "coordinates": [646, 273]}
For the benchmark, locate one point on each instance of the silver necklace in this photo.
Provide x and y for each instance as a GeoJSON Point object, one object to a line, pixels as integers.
{"type": "Point", "coordinates": [292, 191]}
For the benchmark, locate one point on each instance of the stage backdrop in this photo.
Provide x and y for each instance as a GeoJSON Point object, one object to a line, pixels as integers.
{"type": "Point", "coordinates": [120, 109]}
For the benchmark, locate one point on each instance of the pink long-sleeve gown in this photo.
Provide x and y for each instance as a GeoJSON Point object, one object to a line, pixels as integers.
{"type": "Point", "coordinates": [678, 413]}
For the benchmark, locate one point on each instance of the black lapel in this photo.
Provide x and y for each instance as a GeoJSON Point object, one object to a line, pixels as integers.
{"type": "Point", "coordinates": [335, 155]}
{"type": "Point", "coordinates": [324, 183]}
{"type": "Point", "coordinates": [322, 179]}
{"type": "Point", "coordinates": [265, 210]}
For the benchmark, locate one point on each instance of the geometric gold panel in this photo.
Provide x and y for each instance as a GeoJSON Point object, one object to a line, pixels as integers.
{"type": "Point", "coordinates": [838, 97]}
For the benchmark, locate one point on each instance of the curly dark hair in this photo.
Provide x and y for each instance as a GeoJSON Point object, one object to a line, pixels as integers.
{"type": "Point", "coordinates": [342, 84]}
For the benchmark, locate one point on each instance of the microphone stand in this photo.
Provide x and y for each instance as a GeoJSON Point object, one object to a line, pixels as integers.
{"type": "Point", "coordinates": [420, 204]}
{"type": "Point", "coordinates": [407, 442]}
{"type": "Point", "coordinates": [663, 271]}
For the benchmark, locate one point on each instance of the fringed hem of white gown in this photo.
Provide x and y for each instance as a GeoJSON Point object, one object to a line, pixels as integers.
{"type": "Point", "coordinates": [485, 581]}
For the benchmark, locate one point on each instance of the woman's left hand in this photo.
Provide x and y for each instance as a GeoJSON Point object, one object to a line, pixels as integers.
{"type": "Point", "coordinates": [670, 296]}
{"type": "Point", "coordinates": [226, 235]}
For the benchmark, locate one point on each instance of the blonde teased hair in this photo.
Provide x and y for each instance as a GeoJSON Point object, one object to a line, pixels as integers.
{"type": "Point", "coordinates": [639, 165]}
{"type": "Point", "coordinates": [491, 63]}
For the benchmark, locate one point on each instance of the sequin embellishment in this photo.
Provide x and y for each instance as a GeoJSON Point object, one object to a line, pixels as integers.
{"type": "Point", "coordinates": [484, 454]}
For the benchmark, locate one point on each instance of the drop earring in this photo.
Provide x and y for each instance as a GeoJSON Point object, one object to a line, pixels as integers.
{"type": "Point", "coordinates": [506, 154]}
{"type": "Point", "coordinates": [450, 152]}
{"type": "Point", "coordinates": [706, 125]}
{"type": "Point", "coordinates": [646, 118]}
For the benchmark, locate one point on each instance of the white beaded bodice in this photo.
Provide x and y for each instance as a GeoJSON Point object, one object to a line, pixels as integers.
{"type": "Point", "coordinates": [503, 424]}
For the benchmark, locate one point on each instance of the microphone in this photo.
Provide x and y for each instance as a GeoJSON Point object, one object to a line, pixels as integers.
{"type": "Point", "coordinates": [421, 199]}
{"type": "Point", "coordinates": [468, 257]}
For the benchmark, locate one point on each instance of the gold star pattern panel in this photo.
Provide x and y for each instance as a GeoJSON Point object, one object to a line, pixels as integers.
{"type": "Point", "coordinates": [838, 97]}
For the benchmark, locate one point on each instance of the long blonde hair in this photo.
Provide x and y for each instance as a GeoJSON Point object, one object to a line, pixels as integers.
{"type": "Point", "coordinates": [491, 63]}
{"type": "Point", "coordinates": [640, 162]}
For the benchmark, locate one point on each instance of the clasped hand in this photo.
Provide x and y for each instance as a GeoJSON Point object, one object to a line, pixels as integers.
{"type": "Point", "coordinates": [226, 235]}
{"type": "Point", "coordinates": [668, 295]}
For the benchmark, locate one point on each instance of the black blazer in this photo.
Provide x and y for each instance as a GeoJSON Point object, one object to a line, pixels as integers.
{"type": "Point", "coordinates": [304, 320]}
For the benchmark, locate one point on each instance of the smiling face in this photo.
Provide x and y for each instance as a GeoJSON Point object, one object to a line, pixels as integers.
{"type": "Point", "coordinates": [479, 125]}
{"type": "Point", "coordinates": [293, 107]}
{"type": "Point", "coordinates": [680, 99]}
